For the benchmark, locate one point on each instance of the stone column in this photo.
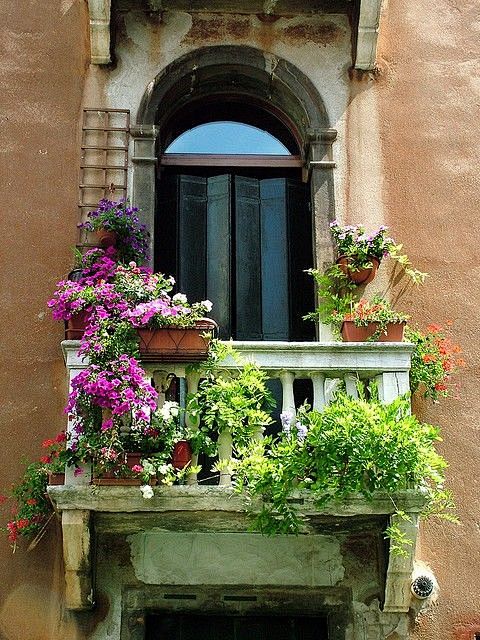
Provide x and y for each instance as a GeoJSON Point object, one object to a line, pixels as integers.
{"type": "Point", "coordinates": [144, 162]}
{"type": "Point", "coordinates": [320, 165]}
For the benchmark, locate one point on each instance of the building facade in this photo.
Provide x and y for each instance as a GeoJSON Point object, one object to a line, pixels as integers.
{"type": "Point", "coordinates": [376, 104]}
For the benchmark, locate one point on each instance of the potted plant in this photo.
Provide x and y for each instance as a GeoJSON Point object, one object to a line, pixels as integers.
{"type": "Point", "coordinates": [117, 224]}
{"type": "Point", "coordinates": [360, 253]}
{"type": "Point", "coordinates": [434, 360]}
{"type": "Point", "coordinates": [373, 320]}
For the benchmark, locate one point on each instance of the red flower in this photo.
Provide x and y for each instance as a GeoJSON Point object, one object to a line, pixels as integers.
{"type": "Point", "coordinates": [434, 328]}
{"type": "Point", "coordinates": [440, 386]}
{"type": "Point", "coordinates": [32, 502]}
{"type": "Point", "coordinates": [3, 499]}
{"type": "Point", "coordinates": [48, 443]}
{"type": "Point", "coordinates": [22, 523]}
{"type": "Point", "coordinates": [45, 459]}
{"type": "Point", "coordinates": [62, 437]}
{"type": "Point", "coordinates": [429, 357]}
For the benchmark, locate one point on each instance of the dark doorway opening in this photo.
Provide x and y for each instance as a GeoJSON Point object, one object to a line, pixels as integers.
{"type": "Point", "coordinates": [179, 626]}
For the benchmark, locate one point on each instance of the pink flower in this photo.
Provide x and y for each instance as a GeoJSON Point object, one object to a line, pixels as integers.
{"type": "Point", "coordinates": [137, 468]}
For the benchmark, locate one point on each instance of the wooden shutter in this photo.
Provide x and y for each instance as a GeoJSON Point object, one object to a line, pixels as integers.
{"type": "Point", "coordinates": [219, 251]}
{"type": "Point", "coordinates": [248, 259]}
{"type": "Point", "coordinates": [274, 260]}
{"type": "Point", "coordinates": [192, 217]}
{"type": "Point", "coordinates": [301, 291]}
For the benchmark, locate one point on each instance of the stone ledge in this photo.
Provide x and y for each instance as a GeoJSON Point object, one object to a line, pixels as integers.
{"type": "Point", "coordinates": [217, 499]}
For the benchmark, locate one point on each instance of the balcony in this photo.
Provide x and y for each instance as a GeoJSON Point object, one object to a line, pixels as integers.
{"type": "Point", "coordinates": [86, 508]}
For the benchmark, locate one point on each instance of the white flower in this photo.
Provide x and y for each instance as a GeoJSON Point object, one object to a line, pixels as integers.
{"type": "Point", "coordinates": [169, 410]}
{"type": "Point", "coordinates": [179, 298]}
{"type": "Point", "coordinates": [147, 491]}
{"type": "Point", "coordinates": [207, 304]}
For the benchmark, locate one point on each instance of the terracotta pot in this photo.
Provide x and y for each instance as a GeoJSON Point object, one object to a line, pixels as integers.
{"type": "Point", "coordinates": [75, 327]}
{"type": "Point", "coordinates": [55, 479]}
{"type": "Point", "coordinates": [105, 238]}
{"type": "Point", "coordinates": [363, 276]}
{"type": "Point", "coordinates": [182, 454]}
{"type": "Point", "coordinates": [173, 344]}
{"type": "Point", "coordinates": [351, 333]}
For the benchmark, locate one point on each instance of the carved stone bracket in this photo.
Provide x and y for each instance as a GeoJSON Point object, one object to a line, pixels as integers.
{"type": "Point", "coordinates": [99, 12]}
{"type": "Point", "coordinates": [319, 149]}
{"type": "Point", "coordinates": [367, 34]}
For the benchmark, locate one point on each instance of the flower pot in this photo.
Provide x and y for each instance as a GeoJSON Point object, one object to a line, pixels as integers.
{"type": "Point", "coordinates": [105, 238]}
{"type": "Point", "coordinates": [112, 477]}
{"type": "Point", "coordinates": [362, 276]}
{"type": "Point", "coordinates": [75, 327]}
{"type": "Point", "coordinates": [393, 332]}
{"type": "Point", "coordinates": [182, 454]}
{"type": "Point", "coordinates": [174, 344]}
{"type": "Point", "coordinates": [55, 479]}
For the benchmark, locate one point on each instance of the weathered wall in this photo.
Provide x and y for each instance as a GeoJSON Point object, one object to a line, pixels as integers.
{"type": "Point", "coordinates": [42, 68]}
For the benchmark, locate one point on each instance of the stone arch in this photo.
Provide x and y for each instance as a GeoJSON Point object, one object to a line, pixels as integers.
{"type": "Point", "coordinates": [240, 72]}
{"type": "Point", "coordinates": [249, 76]}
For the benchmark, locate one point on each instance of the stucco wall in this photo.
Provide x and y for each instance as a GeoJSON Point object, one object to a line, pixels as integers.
{"type": "Point", "coordinates": [407, 155]}
{"type": "Point", "coordinates": [42, 70]}
{"type": "Point", "coordinates": [428, 97]}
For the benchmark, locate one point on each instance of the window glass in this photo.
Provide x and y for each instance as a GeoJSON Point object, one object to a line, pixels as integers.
{"type": "Point", "coordinates": [227, 138]}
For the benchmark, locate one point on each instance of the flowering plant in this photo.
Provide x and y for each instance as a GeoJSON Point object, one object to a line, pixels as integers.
{"type": "Point", "coordinates": [132, 236]}
{"type": "Point", "coordinates": [360, 247]}
{"type": "Point", "coordinates": [434, 361]}
{"type": "Point", "coordinates": [32, 509]}
{"type": "Point", "coordinates": [378, 310]}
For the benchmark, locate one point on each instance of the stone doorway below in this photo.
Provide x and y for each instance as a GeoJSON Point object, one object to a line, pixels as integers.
{"type": "Point", "coordinates": [185, 626]}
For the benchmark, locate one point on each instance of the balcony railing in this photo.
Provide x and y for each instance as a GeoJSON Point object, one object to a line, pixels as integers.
{"type": "Point", "coordinates": [326, 364]}
{"type": "Point", "coordinates": [122, 509]}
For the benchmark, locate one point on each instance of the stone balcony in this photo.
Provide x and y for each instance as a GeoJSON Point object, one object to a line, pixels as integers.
{"type": "Point", "coordinates": [89, 511]}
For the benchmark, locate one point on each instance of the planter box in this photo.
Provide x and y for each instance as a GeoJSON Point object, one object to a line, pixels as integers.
{"type": "Point", "coordinates": [351, 333]}
{"type": "Point", "coordinates": [75, 327]}
{"type": "Point", "coordinates": [111, 478]}
{"type": "Point", "coordinates": [362, 276]}
{"type": "Point", "coordinates": [56, 479]}
{"type": "Point", "coordinates": [173, 344]}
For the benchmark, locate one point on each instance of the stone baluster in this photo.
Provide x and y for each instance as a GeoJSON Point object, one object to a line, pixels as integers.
{"type": "Point", "coordinates": [288, 400]}
{"type": "Point", "coordinates": [318, 382]}
{"type": "Point", "coordinates": [225, 451]}
{"type": "Point", "coordinates": [192, 379]}
{"type": "Point", "coordinates": [351, 382]}
{"type": "Point", "coordinates": [391, 385]}
{"type": "Point", "coordinates": [83, 473]}
{"type": "Point", "coordinates": [162, 381]}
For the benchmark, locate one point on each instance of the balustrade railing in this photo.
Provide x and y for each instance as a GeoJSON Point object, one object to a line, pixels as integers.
{"type": "Point", "coordinates": [326, 364]}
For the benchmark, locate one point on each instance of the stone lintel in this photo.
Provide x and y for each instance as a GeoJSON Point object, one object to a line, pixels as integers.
{"type": "Point", "coordinates": [218, 499]}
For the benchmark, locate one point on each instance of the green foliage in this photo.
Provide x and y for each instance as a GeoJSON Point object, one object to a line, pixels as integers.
{"type": "Point", "coordinates": [353, 446]}
{"type": "Point", "coordinates": [336, 296]}
{"type": "Point", "coordinates": [236, 401]}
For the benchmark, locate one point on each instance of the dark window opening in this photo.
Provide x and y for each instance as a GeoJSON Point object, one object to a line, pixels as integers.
{"type": "Point", "coordinates": [241, 238]}
{"type": "Point", "coordinates": [178, 626]}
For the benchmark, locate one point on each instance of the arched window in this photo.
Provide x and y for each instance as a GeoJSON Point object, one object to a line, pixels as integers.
{"type": "Point", "coordinates": [234, 221]}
